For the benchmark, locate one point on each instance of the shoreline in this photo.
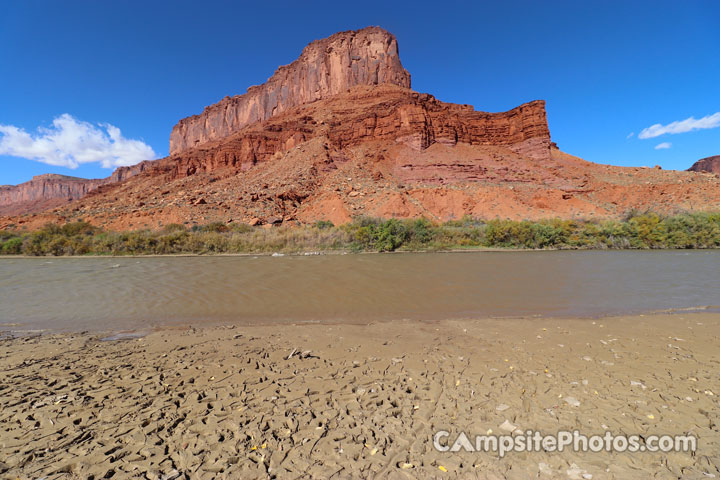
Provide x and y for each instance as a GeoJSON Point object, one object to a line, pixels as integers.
{"type": "Point", "coordinates": [359, 400]}
{"type": "Point", "coordinates": [100, 334]}
{"type": "Point", "coordinates": [313, 253]}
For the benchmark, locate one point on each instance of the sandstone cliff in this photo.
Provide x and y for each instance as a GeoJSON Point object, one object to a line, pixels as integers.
{"type": "Point", "coordinates": [50, 190]}
{"type": "Point", "coordinates": [367, 114]}
{"type": "Point", "coordinates": [708, 164]}
{"type": "Point", "coordinates": [326, 67]}
{"type": "Point", "coordinates": [43, 188]}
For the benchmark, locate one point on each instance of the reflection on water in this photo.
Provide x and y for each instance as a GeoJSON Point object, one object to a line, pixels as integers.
{"type": "Point", "coordinates": [135, 293]}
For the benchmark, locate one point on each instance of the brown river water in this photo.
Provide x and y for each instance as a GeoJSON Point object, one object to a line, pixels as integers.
{"type": "Point", "coordinates": [131, 294]}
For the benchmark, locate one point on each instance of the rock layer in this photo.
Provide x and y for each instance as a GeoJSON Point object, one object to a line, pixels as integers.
{"type": "Point", "coordinates": [708, 164]}
{"type": "Point", "coordinates": [50, 190]}
{"type": "Point", "coordinates": [47, 186]}
{"type": "Point", "coordinates": [368, 114]}
{"type": "Point", "coordinates": [325, 68]}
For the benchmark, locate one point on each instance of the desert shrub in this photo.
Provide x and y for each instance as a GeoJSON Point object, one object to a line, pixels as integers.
{"type": "Point", "coordinates": [420, 231]}
{"type": "Point", "coordinates": [35, 243]}
{"type": "Point", "coordinates": [378, 235]}
{"type": "Point", "coordinates": [508, 233]}
{"type": "Point", "coordinates": [648, 231]}
{"type": "Point", "coordinates": [56, 246]}
{"type": "Point", "coordinates": [641, 230]}
{"type": "Point", "coordinates": [217, 227]}
{"type": "Point", "coordinates": [77, 228]}
{"type": "Point", "coordinates": [12, 246]}
{"type": "Point", "coordinates": [173, 227]}
{"type": "Point", "coordinates": [390, 235]}
{"type": "Point", "coordinates": [324, 224]}
{"type": "Point", "coordinates": [240, 228]}
{"type": "Point", "coordinates": [206, 242]}
{"type": "Point", "coordinates": [170, 243]}
{"type": "Point", "coordinates": [6, 235]}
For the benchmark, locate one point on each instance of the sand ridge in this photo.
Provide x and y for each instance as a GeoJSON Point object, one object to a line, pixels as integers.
{"type": "Point", "coordinates": [358, 401]}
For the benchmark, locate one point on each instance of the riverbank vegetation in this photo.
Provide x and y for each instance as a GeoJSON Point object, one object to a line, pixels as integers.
{"type": "Point", "coordinates": [636, 231]}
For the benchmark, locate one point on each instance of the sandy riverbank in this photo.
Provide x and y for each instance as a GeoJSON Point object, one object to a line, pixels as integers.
{"type": "Point", "coordinates": [359, 401]}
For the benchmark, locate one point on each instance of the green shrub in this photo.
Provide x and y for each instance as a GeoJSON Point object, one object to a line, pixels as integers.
{"type": "Point", "coordinates": [324, 224]}
{"type": "Point", "coordinates": [77, 228]}
{"type": "Point", "coordinates": [173, 227]}
{"type": "Point", "coordinates": [217, 227]}
{"type": "Point", "coordinates": [640, 230]}
{"type": "Point", "coordinates": [12, 246]}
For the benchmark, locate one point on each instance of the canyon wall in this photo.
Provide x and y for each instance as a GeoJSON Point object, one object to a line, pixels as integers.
{"type": "Point", "coordinates": [48, 186]}
{"type": "Point", "coordinates": [49, 190]}
{"type": "Point", "coordinates": [326, 67]}
{"type": "Point", "coordinates": [378, 114]}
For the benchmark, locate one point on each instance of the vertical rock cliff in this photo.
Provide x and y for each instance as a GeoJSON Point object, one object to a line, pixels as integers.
{"type": "Point", "coordinates": [43, 187]}
{"type": "Point", "coordinates": [325, 68]}
{"type": "Point", "coordinates": [49, 190]}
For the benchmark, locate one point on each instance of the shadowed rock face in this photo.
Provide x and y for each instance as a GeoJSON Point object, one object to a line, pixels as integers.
{"type": "Point", "coordinates": [325, 68]}
{"type": "Point", "coordinates": [709, 164]}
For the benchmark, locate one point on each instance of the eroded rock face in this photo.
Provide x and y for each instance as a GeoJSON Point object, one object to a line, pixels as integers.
{"type": "Point", "coordinates": [325, 68]}
{"type": "Point", "coordinates": [43, 187]}
{"type": "Point", "coordinates": [372, 114]}
{"type": "Point", "coordinates": [50, 190]}
{"type": "Point", "coordinates": [708, 164]}
{"type": "Point", "coordinates": [123, 173]}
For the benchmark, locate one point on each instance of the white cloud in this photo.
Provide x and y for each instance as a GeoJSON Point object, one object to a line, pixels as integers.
{"type": "Point", "coordinates": [630, 135]}
{"type": "Point", "coordinates": [687, 125]}
{"type": "Point", "coordinates": [70, 142]}
{"type": "Point", "coordinates": [663, 146]}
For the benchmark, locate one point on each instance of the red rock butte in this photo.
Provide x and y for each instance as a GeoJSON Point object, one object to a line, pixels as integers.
{"type": "Point", "coordinates": [325, 68]}
{"type": "Point", "coordinates": [339, 133]}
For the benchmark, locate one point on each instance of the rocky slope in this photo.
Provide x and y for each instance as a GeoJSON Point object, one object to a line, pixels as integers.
{"type": "Point", "coordinates": [708, 164]}
{"type": "Point", "coordinates": [325, 68]}
{"type": "Point", "coordinates": [374, 148]}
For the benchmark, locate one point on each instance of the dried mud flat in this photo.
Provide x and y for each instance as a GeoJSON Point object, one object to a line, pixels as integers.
{"type": "Point", "coordinates": [359, 401]}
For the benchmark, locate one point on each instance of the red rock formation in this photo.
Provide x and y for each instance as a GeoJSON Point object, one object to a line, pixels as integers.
{"type": "Point", "coordinates": [363, 114]}
{"type": "Point", "coordinates": [326, 67]}
{"type": "Point", "coordinates": [42, 188]}
{"type": "Point", "coordinates": [332, 146]}
{"type": "Point", "coordinates": [708, 164]}
{"type": "Point", "coordinates": [50, 190]}
{"type": "Point", "coordinates": [123, 173]}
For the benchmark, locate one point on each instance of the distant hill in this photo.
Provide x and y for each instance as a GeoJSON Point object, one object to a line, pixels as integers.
{"type": "Point", "coordinates": [708, 164]}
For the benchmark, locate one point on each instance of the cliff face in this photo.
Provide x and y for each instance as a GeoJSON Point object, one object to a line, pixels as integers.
{"type": "Point", "coordinates": [708, 164]}
{"type": "Point", "coordinates": [372, 114]}
{"type": "Point", "coordinates": [50, 190]}
{"type": "Point", "coordinates": [326, 67]}
{"type": "Point", "coordinates": [43, 187]}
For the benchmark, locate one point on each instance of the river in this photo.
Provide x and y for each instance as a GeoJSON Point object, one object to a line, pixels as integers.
{"type": "Point", "coordinates": [128, 294]}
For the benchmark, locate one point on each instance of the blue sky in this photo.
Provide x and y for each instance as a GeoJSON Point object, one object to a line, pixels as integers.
{"type": "Point", "coordinates": [606, 69]}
